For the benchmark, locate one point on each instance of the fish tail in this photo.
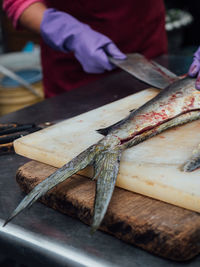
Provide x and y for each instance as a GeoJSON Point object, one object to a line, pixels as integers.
{"type": "Point", "coordinates": [105, 160]}
{"type": "Point", "coordinates": [78, 163]}
{"type": "Point", "coordinates": [106, 168]}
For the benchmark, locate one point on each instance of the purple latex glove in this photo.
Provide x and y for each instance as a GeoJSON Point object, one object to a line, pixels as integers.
{"type": "Point", "coordinates": [63, 32]}
{"type": "Point", "coordinates": [194, 69]}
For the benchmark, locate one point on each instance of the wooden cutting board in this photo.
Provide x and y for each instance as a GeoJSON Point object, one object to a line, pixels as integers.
{"type": "Point", "coordinates": [158, 227]}
{"type": "Point", "coordinates": [150, 168]}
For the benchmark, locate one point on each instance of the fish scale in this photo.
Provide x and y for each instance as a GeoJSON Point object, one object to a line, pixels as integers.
{"type": "Point", "coordinates": [166, 105]}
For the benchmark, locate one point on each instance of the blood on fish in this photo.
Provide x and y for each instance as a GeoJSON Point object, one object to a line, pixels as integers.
{"type": "Point", "coordinates": [175, 95]}
{"type": "Point", "coordinates": [154, 115]}
{"type": "Point", "coordinates": [191, 102]}
{"type": "Point", "coordinates": [122, 141]}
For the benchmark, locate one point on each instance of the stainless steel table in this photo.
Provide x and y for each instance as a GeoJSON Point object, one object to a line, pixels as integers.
{"type": "Point", "coordinates": [41, 236]}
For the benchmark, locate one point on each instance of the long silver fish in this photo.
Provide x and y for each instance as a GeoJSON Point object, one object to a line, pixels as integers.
{"type": "Point", "coordinates": [179, 103]}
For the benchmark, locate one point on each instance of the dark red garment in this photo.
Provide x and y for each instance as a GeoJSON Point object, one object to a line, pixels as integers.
{"type": "Point", "coordinates": [134, 26]}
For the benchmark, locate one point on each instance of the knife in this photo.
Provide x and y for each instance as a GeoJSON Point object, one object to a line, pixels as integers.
{"type": "Point", "coordinates": [12, 131]}
{"type": "Point", "coordinates": [145, 70]}
{"type": "Point", "coordinates": [7, 72]}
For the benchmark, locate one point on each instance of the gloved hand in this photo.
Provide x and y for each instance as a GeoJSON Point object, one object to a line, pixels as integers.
{"type": "Point", "coordinates": [194, 69]}
{"type": "Point", "coordinates": [63, 32]}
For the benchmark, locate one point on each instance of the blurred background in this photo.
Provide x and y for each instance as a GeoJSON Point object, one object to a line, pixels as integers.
{"type": "Point", "coordinates": [182, 22]}
{"type": "Point", "coordinates": [182, 25]}
{"type": "Point", "coordinates": [19, 56]}
{"type": "Point", "coordinates": [20, 52]}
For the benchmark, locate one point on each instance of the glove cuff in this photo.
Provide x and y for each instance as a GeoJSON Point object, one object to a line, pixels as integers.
{"type": "Point", "coordinates": [197, 54]}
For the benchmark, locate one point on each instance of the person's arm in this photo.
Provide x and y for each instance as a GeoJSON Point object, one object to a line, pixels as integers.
{"type": "Point", "coordinates": [65, 33]}
{"type": "Point", "coordinates": [16, 8]}
{"type": "Point", "coordinates": [31, 17]}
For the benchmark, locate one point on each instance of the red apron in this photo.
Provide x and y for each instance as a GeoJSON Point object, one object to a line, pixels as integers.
{"type": "Point", "coordinates": [134, 26]}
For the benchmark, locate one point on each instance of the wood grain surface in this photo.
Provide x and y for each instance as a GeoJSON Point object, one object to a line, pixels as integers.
{"type": "Point", "coordinates": [155, 226]}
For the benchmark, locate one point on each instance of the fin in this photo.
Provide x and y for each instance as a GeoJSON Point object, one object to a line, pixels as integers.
{"type": "Point", "coordinates": [193, 163]}
{"type": "Point", "coordinates": [106, 173]}
{"type": "Point", "coordinates": [105, 131]}
{"type": "Point", "coordinates": [106, 163]}
{"type": "Point", "coordinates": [78, 163]}
{"type": "Point", "coordinates": [146, 70]}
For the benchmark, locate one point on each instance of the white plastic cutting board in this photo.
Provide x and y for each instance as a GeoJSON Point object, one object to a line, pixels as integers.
{"type": "Point", "coordinates": [150, 168]}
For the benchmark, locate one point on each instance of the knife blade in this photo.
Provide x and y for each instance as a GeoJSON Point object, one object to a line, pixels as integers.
{"type": "Point", "coordinates": [145, 70]}
{"type": "Point", "coordinates": [7, 72]}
